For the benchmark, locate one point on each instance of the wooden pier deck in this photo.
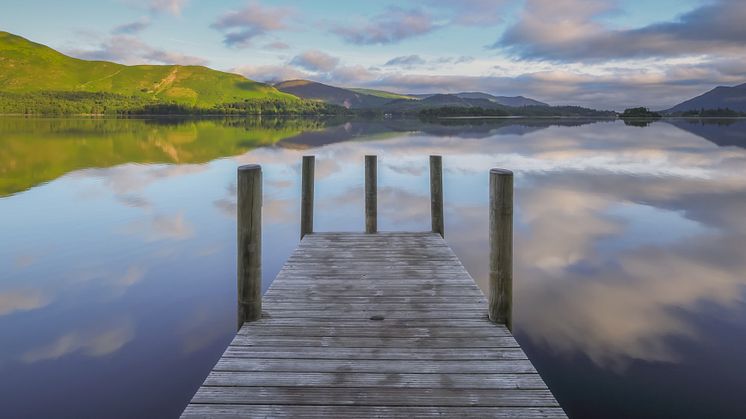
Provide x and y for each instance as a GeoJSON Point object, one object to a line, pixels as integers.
{"type": "Point", "coordinates": [373, 324]}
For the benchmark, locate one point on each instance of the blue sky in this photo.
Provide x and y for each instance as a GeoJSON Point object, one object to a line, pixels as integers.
{"type": "Point", "coordinates": [600, 53]}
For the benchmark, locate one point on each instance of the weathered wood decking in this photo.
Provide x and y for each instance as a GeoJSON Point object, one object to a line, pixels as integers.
{"type": "Point", "coordinates": [373, 325]}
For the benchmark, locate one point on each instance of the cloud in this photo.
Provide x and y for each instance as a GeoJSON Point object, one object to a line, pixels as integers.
{"type": "Point", "coordinates": [22, 300]}
{"type": "Point", "coordinates": [406, 61]}
{"type": "Point", "coordinates": [98, 342]}
{"type": "Point", "coordinates": [314, 65]}
{"type": "Point", "coordinates": [131, 50]}
{"type": "Point", "coordinates": [352, 74]}
{"type": "Point", "coordinates": [270, 73]}
{"type": "Point", "coordinates": [276, 45]}
{"type": "Point", "coordinates": [161, 227]}
{"type": "Point", "coordinates": [570, 30]}
{"type": "Point", "coordinates": [242, 26]}
{"type": "Point", "coordinates": [472, 12]}
{"type": "Point", "coordinates": [392, 26]}
{"type": "Point", "coordinates": [132, 27]}
{"type": "Point", "coordinates": [133, 275]}
{"type": "Point", "coordinates": [173, 7]}
{"type": "Point", "coordinates": [316, 61]}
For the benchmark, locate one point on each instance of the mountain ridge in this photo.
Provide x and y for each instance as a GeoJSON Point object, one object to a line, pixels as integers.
{"type": "Point", "coordinates": [721, 97]}
{"type": "Point", "coordinates": [308, 89]}
{"type": "Point", "coordinates": [360, 98]}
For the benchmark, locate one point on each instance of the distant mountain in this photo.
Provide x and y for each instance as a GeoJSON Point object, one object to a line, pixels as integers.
{"type": "Point", "coordinates": [382, 93]}
{"type": "Point", "coordinates": [440, 101]}
{"type": "Point", "coordinates": [356, 98]}
{"type": "Point", "coordinates": [721, 97]}
{"type": "Point", "coordinates": [514, 101]}
{"type": "Point", "coordinates": [348, 98]}
{"type": "Point", "coordinates": [28, 67]}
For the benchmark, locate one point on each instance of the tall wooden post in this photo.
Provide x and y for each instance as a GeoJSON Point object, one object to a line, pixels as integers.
{"type": "Point", "coordinates": [306, 199]}
{"type": "Point", "coordinates": [436, 194]}
{"type": "Point", "coordinates": [249, 243]}
{"type": "Point", "coordinates": [371, 198]}
{"type": "Point", "coordinates": [501, 247]}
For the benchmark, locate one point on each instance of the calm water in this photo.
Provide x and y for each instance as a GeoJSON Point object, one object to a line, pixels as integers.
{"type": "Point", "coordinates": [117, 264]}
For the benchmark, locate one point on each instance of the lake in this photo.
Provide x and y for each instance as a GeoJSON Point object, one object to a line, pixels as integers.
{"type": "Point", "coordinates": [117, 248]}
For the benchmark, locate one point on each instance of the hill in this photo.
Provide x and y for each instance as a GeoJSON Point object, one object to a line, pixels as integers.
{"type": "Point", "coordinates": [28, 67]}
{"type": "Point", "coordinates": [721, 97]}
{"type": "Point", "coordinates": [514, 101]}
{"type": "Point", "coordinates": [339, 96]}
{"type": "Point", "coordinates": [358, 98]}
{"type": "Point", "coordinates": [440, 101]}
{"type": "Point", "coordinates": [381, 93]}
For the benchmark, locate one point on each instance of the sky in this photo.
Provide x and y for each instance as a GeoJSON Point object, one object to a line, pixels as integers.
{"type": "Point", "coordinates": [606, 54]}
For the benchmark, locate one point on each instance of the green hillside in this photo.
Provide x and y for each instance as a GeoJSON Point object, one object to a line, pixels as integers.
{"type": "Point", "coordinates": [28, 67]}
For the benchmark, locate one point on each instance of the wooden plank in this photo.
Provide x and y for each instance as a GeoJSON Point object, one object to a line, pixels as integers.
{"type": "Point", "coordinates": [223, 411]}
{"type": "Point", "coordinates": [374, 331]}
{"type": "Point", "coordinates": [399, 314]}
{"type": "Point", "coordinates": [512, 366]}
{"type": "Point", "coordinates": [365, 342]}
{"type": "Point", "coordinates": [379, 396]}
{"type": "Point", "coordinates": [384, 353]}
{"type": "Point", "coordinates": [429, 323]}
{"type": "Point", "coordinates": [367, 299]}
{"type": "Point", "coordinates": [502, 381]}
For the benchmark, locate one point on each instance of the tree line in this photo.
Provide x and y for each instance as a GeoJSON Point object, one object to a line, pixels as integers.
{"type": "Point", "coordinates": [100, 103]}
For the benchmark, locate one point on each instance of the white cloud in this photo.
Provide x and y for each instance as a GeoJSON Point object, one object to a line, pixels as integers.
{"type": "Point", "coordinates": [316, 61]}
{"type": "Point", "coordinates": [173, 7]}
{"type": "Point", "coordinates": [570, 30]}
{"type": "Point", "coordinates": [254, 20]}
{"type": "Point", "coordinates": [392, 26]}
{"type": "Point", "coordinates": [132, 27]}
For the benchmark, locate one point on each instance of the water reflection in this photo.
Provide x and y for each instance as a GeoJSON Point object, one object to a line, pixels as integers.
{"type": "Point", "coordinates": [629, 247]}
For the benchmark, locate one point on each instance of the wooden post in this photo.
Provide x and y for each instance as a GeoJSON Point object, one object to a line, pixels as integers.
{"type": "Point", "coordinates": [371, 198]}
{"type": "Point", "coordinates": [306, 199]}
{"type": "Point", "coordinates": [501, 247]}
{"type": "Point", "coordinates": [436, 194]}
{"type": "Point", "coordinates": [249, 243]}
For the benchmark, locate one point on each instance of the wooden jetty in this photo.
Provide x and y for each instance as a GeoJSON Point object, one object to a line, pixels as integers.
{"type": "Point", "coordinates": [375, 324]}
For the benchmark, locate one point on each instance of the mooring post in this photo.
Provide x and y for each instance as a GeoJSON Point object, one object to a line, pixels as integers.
{"type": "Point", "coordinates": [306, 199]}
{"type": "Point", "coordinates": [436, 194]}
{"type": "Point", "coordinates": [249, 213]}
{"type": "Point", "coordinates": [371, 198]}
{"type": "Point", "coordinates": [501, 247]}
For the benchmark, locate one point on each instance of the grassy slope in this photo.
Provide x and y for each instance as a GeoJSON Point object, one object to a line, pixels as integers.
{"type": "Point", "coordinates": [26, 66]}
{"type": "Point", "coordinates": [382, 93]}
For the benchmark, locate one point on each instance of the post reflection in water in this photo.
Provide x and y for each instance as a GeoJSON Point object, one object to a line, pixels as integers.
{"type": "Point", "coordinates": [119, 249]}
